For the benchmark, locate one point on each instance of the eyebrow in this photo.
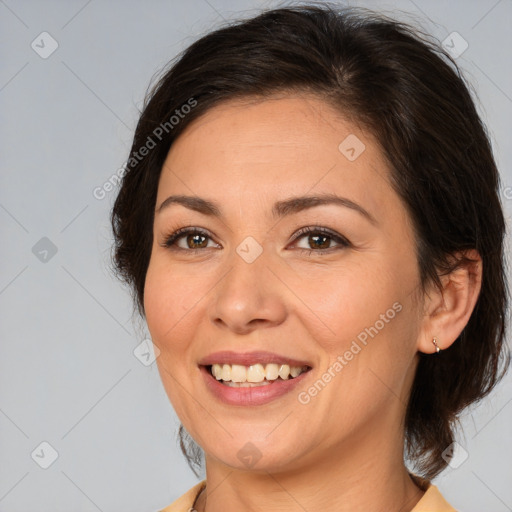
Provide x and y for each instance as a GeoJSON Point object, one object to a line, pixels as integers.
{"type": "Point", "coordinates": [279, 210]}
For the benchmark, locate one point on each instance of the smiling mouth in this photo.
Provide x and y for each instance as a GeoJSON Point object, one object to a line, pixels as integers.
{"type": "Point", "coordinates": [236, 375]}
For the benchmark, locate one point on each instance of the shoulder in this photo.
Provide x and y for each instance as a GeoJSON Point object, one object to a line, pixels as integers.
{"type": "Point", "coordinates": [185, 502]}
{"type": "Point", "coordinates": [433, 501]}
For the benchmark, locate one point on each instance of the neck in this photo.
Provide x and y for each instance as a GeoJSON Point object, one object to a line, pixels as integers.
{"type": "Point", "coordinates": [356, 476]}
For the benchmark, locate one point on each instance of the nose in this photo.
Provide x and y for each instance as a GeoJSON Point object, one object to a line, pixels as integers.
{"type": "Point", "coordinates": [248, 297]}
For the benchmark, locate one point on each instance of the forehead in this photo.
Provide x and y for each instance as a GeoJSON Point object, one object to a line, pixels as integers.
{"type": "Point", "coordinates": [256, 148]}
{"type": "Point", "coordinates": [288, 126]}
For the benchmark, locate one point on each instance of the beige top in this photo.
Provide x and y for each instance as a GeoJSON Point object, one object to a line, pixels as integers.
{"type": "Point", "coordinates": [432, 501]}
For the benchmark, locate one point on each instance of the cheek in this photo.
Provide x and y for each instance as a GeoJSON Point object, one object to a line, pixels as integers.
{"type": "Point", "coordinates": [167, 303]}
{"type": "Point", "coordinates": [168, 307]}
{"type": "Point", "coordinates": [376, 324]}
{"type": "Point", "coordinates": [365, 322]}
{"type": "Point", "coordinates": [156, 302]}
{"type": "Point", "coordinates": [343, 303]}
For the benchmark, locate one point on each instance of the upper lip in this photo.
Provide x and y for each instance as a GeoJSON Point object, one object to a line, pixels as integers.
{"type": "Point", "coordinates": [249, 358]}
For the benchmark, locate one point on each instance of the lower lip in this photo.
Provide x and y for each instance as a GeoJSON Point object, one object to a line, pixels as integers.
{"type": "Point", "coordinates": [257, 395]}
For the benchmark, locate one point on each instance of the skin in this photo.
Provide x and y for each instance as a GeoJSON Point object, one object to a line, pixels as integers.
{"type": "Point", "coordinates": [343, 450]}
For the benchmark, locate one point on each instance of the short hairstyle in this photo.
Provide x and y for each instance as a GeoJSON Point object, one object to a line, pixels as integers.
{"type": "Point", "coordinates": [410, 94]}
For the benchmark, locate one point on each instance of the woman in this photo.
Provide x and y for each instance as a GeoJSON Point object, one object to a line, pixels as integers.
{"type": "Point", "coordinates": [311, 228]}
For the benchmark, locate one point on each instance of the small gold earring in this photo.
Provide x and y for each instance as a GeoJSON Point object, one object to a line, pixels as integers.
{"type": "Point", "coordinates": [434, 341]}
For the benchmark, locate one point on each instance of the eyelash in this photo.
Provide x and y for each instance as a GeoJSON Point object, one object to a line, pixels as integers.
{"type": "Point", "coordinates": [170, 240]}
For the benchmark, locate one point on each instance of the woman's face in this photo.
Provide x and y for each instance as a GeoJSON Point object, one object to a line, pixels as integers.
{"type": "Point", "coordinates": [342, 299]}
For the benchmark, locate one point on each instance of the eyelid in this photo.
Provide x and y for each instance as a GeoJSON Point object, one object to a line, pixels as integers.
{"type": "Point", "coordinates": [169, 241]}
{"type": "Point", "coordinates": [318, 229]}
{"type": "Point", "coordinates": [174, 235]}
{"type": "Point", "coordinates": [338, 238]}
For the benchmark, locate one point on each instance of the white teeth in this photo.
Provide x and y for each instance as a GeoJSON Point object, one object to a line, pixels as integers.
{"type": "Point", "coordinates": [284, 371]}
{"type": "Point", "coordinates": [217, 371]}
{"type": "Point", "coordinates": [247, 384]}
{"type": "Point", "coordinates": [256, 373]}
{"type": "Point", "coordinates": [295, 371]}
{"type": "Point", "coordinates": [238, 373]}
{"type": "Point", "coordinates": [226, 372]}
{"type": "Point", "coordinates": [271, 371]}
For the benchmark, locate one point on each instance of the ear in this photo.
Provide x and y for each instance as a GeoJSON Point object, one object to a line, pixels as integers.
{"type": "Point", "coordinates": [447, 311]}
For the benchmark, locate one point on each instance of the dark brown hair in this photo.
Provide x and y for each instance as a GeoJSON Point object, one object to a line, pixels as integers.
{"type": "Point", "coordinates": [398, 83]}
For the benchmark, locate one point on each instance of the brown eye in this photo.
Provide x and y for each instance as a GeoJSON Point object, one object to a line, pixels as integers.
{"type": "Point", "coordinates": [193, 238]}
{"type": "Point", "coordinates": [195, 241]}
{"type": "Point", "coordinates": [320, 239]}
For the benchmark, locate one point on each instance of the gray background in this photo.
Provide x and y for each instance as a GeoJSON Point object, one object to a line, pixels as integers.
{"type": "Point", "coordinates": [68, 374]}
